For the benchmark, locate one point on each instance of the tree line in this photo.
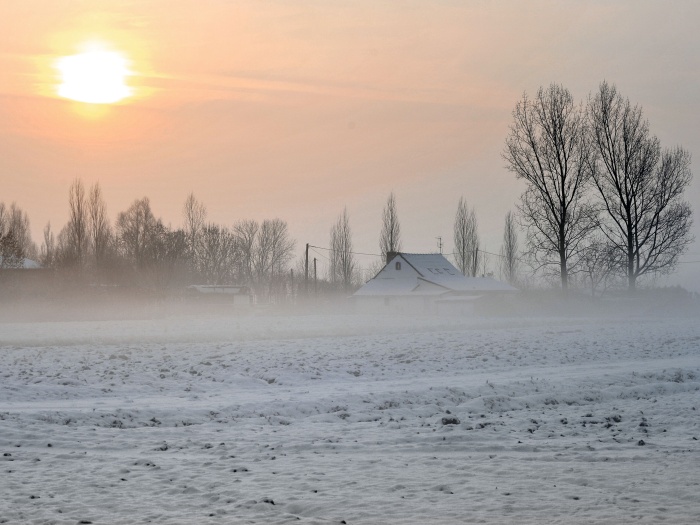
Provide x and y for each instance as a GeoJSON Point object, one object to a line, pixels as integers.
{"type": "Point", "coordinates": [138, 249]}
{"type": "Point", "coordinates": [603, 203]}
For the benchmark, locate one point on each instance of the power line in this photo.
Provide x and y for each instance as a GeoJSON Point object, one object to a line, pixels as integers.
{"type": "Point", "coordinates": [317, 253]}
{"type": "Point", "coordinates": [380, 255]}
{"type": "Point", "coordinates": [354, 253]}
{"type": "Point", "coordinates": [455, 254]}
{"type": "Point", "coordinates": [521, 259]}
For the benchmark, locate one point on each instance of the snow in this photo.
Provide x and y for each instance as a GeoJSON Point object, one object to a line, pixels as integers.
{"type": "Point", "coordinates": [425, 274]}
{"type": "Point", "coordinates": [332, 418]}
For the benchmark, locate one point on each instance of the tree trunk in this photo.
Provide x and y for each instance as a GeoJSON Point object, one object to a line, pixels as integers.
{"type": "Point", "coordinates": [564, 273]}
{"type": "Point", "coordinates": [562, 261]}
{"type": "Point", "coordinates": [631, 274]}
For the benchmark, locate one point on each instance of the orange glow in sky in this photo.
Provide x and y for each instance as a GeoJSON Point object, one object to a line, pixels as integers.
{"type": "Point", "coordinates": [96, 76]}
{"type": "Point", "coordinates": [298, 110]}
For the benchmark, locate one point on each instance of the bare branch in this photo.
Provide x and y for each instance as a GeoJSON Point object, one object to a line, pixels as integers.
{"type": "Point", "coordinates": [342, 267]}
{"type": "Point", "coordinates": [390, 239]}
{"type": "Point", "coordinates": [466, 238]}
{"type": "Point", "coordinates": [549, 148]}
{"type": "Point", "coordinates": [640, 187]}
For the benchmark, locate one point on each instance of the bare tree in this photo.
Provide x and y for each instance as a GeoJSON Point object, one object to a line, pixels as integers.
{"type": "Point", "coordinates": [342, 264]}
{"type": "Point", "coordinates": [15, 237]}
{"type": "Point", "coordinates": [390, 238]}
{"type": "Point", "coordinates": [282, 245]}
{"type": "Point", "coordinates": [262, 257]}
{"type": "Point", "coordinates": [372, 269]}
{"type": "Point", "coordinates": [640, 186]}
{"type": "Point", "coordinates": [195, 213]}
{"type": "Point", "coordinates": [157, 254]}
{"type": "Point", "coordinates": [77, 222]}
{"type": "Point", "coordinates": [271, 255]}
{"type": "Point", "coordinates": [485, 261]}
{"type": "Point", "coordinates": [466, 238]}
{"type": "Point", "coordinates": [600, 262]}
{"type": "Point", "coordinates": [7, 243]}
{"type": "Point", "coordinates": [549, 147]}
{"type": "Point", "coordinates": [137, 229]}
{"type": "Point", "coordinates": [217, 248]}
{"type": "Point", "coordinates": [246, 235]}
{"type": "Point", "coordinates": [48, 248]}
{"type": "Point", "coordinates": [281, 248]}
{"type": "Point", "coordinates": [99, 231]}
{"type": "Point", "coordinates": [509, 250]}
{"type": "Point", "coordinates": [64, 255]}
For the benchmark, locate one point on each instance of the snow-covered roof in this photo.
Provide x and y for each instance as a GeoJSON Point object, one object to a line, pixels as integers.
{"type": "Point", "coordinates": [219, 288]}
{"type": "Point", "coordinates": [426, 274]}
{"type": "Point", "coordinates": [28, 264]}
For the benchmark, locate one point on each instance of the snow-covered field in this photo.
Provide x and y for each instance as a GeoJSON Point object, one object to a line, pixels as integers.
{"type": "Point", "coordinates": [350, 419]}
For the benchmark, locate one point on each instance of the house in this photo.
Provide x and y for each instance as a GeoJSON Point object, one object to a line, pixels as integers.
{"type": "Point", "coordinates": [26, 264]}
{"type": "Point", "coordinates": [238, 296]}
{"type": "Point", "coordinates": [426, 282]}
{"type": "Point", "coordinates": [24, 278]}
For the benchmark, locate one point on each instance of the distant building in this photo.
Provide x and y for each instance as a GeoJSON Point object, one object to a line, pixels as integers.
{"type": "Point", "coordinates": [239, 296]}
{"type": "Point", "coordinates": [23, 278]}
{"type": "Point", "coordinates": [26, 264]}
{"type": "Point", "coordinates": [420, 282]}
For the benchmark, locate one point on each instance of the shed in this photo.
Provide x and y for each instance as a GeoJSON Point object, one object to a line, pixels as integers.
{"type": "Point", "coordinates": [223, 293]}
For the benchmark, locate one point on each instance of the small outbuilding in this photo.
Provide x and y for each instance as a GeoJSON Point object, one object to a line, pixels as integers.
{"type": "Point", "coordinates": [238, 296]}
{"type": "Point", "coordinates": [18, 264]}
{"type": "Point", "coordinates": [413, 282]}
{"type": "Point", "coordinates": [24, 278]}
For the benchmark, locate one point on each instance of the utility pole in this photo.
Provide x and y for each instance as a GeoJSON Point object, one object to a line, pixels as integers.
{"type": "Point", "coordinates": [306, 271]}
{"type": "Point", "coordinates": [439, 240]}
{"type": "Point", "coordinates": [291, 288]}
{"type": "Point", "coordinates": [315, 281]}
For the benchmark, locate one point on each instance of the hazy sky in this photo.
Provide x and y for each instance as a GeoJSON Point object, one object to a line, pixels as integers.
{"type": "Point", "coordinates": [295, 109]}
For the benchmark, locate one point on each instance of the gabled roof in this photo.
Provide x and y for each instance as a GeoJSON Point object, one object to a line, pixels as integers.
{"type": "Point", "coordinates": [426, 274]}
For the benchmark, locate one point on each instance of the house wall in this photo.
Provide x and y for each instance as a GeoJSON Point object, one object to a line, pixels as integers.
{"type": "Point", "coordinates": [395, 304]}
{"type": "Point", "coordinates": [417, 305]}
{"type": "Point", "coordinates": [462, 308]}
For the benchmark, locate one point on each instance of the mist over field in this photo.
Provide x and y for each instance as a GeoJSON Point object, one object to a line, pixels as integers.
{"type": "Point", "coordinates": [281, 416]}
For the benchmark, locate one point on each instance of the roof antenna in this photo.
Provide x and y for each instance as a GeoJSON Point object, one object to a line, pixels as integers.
{"type": "Point", "coordinates": [439, 240]}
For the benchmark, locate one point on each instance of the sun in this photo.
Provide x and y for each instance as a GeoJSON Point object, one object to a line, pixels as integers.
{"type": "Point", "coordinates": [95, 76]}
